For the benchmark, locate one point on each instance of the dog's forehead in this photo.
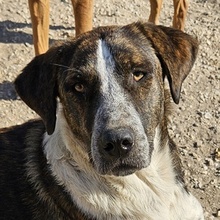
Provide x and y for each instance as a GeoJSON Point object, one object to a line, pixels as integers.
{"type": "Point", "coordinates": [121, 45]}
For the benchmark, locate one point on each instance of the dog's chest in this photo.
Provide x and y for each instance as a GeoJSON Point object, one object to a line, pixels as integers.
{"type": "Point", "coordinates": [117, 198]}
{"type": "Point", "coordinates": [151, 193]}
{"type": "Point", "coordinates": [134, 197]}
{"type": "Point", "coordinates": [130, 197]}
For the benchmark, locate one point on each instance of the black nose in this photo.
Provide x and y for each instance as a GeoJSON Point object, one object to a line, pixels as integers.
{"type": "Point", "coordinates": [117, 143]}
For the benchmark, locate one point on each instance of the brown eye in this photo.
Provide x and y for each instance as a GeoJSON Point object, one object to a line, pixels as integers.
{"type": "Point", "coordinates": [79, 87]}
{"type": "Point", "coordinates": [138, 76]}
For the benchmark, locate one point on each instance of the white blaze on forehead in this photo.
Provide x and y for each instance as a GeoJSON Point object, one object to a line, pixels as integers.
{"type": "Point", "coordinates": [105, 64]}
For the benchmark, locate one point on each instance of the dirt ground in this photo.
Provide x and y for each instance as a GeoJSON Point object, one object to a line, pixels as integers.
{"type": "Point", "coordinates": [195, 124]}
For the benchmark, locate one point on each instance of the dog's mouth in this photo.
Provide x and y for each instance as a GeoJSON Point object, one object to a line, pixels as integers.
{"type": "Point", "coordinates": [123, 165]}
{"type": "Point", "coordinates": [120, 168]}
{"type": "Point", "coordinates": [124, 169]}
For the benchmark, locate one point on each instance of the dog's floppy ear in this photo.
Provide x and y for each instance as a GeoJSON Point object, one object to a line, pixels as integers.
{"type": "Point", "coordinates": [36, 86]}
{"type": "Point", "coordinates": [176, 51]}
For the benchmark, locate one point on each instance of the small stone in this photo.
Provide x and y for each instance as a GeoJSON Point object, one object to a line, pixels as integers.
{"type": "Point", "coordinates": [209, 162]}
{"type": "Point", "coordinates": [207, 115]}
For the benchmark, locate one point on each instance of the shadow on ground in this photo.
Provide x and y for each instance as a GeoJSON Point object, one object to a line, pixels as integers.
{"type": "Point", "coordinates": [11, 32]}
{"type": "Point", "coordinates": [7, 91]}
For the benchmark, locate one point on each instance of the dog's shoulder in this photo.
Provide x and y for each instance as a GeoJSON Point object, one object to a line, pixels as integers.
{"type": "Point", "coordinates": [14, 139]}
{"type": "Point", "coordinates": [28, 189]}
{"type": "Point", "coordinates": [13, 147]}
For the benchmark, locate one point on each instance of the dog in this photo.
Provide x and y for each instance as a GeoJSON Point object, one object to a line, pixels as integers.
{"type": "Point", "coordinates": [83, 13]}
{"type": "Point", "coordinates": [102, 149]}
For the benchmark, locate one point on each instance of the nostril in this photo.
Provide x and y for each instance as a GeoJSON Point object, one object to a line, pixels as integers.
{"type": "Point", "coordinates": [109, 147]}
{"type": "Point", "coordinates": [127, 144]}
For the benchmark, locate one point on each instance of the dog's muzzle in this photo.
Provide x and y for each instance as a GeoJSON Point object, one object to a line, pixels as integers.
{"type": "Point", "coordinates": [119, 144]}
{"type": "Point", "coordinates": [120, 151]}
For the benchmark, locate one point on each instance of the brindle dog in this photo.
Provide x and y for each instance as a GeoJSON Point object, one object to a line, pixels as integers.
{"type": "Point", "coordinates": [102, 149]}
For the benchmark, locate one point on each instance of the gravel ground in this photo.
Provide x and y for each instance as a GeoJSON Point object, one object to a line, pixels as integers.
{"type": "Point", "coordinates": [195, 124]}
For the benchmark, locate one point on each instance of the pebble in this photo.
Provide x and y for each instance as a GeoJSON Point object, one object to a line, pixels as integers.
{"type": "Point", "coordinates": [209, 162]}
{"type": "Point", "coordinates": [207, 115]}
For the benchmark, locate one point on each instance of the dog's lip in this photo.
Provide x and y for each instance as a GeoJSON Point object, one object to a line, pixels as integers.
{"type": "Point", "coordinates": [125, 169]}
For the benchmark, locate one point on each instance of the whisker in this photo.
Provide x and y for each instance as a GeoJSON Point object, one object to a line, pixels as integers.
{"type": "Point", "coordinates": [60, 65]}
{"type": "Point", "coordinates": [67, 67]}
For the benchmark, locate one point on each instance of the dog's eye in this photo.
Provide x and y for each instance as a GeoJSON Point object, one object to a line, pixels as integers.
{"type": "Point", "coordinates": [79, 87]}
{"type": "Point", "coordinates": [138, 75]}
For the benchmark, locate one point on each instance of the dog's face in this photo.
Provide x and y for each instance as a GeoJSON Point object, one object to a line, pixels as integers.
{"type": "Point", "coordinates": [110, 84]}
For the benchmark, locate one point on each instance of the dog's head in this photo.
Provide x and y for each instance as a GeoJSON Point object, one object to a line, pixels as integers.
{"type": "Point", "coordinates": [110, 84]}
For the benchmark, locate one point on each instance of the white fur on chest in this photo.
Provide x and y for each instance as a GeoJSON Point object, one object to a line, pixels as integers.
{"type": "Point", "coordinates": [151, 193]}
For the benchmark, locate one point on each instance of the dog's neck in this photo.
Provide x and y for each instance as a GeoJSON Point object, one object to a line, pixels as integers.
{"type": "Point", "coordinates": [98, 195]}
